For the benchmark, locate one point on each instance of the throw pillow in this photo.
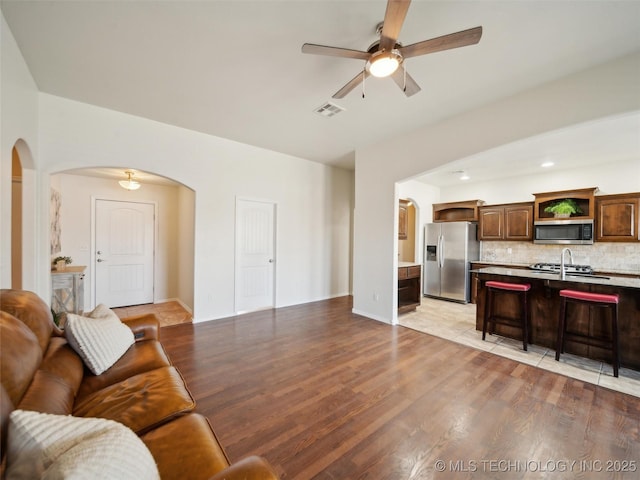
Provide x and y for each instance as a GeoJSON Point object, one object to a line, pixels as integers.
{"type": "Point", "coordinates": [99, 341]}
{"type": "Point", "coordinates": [102, 311]}
{"type": "Point", "coordinates": [41, 445]}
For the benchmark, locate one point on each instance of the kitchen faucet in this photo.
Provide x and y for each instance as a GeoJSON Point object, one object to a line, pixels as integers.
{"type": "Point", "coordinates": [562, 270]}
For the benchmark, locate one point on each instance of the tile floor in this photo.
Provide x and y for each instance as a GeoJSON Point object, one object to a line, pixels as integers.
{"type": "Point", "coordinates": [168, 313]}
{"type": "Point", "coordinates": [456, 322]}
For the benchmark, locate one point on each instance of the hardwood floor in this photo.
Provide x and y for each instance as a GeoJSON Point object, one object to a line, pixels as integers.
{"type": "Point", "coordinates": [167, 313]}
{"type": "Point", "coordinates": [326, 394]}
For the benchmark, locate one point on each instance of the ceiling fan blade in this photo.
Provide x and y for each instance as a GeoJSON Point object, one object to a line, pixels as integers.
{"type": "Point", "coordinates": [410, 87]}
{"type": "Point", "coordinates": [334, 51]}
{"type": "Point", "coordinates": [353, 83]}
{"type": "Point", "coordinates": [393, 20]}
{"type": "Point", "coordinates": [445, 42]}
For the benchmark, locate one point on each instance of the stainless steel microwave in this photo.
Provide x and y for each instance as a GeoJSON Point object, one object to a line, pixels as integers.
{"type": "Point", "coordinates": [563, 232]}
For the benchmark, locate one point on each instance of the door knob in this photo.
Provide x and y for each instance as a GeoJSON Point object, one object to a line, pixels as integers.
{"type": "Point", "coordinates": [271, 260]}
{"type": "Point", "coordinates": [100, 260]}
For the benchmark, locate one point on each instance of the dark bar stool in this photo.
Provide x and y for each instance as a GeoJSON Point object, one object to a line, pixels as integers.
{"type": "Point", "coordinates": [602, 300]}
{"type": "Point", "coordinates": [520, 289]}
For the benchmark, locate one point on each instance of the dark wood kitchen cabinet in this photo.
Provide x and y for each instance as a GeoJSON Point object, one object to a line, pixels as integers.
{"type": "Point", "coordinates": [466, 211]}
{"type": "Point", "coordinates": [617, 218]}
{"type": "Point", "coordinates": [408, 288]}
{"type": "Point", "coordinates": [583, 197]}
{"type": "Point", "coordinates": [513, 221]}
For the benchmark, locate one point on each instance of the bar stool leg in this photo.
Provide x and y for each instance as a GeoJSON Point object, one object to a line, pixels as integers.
{"type": "Point", "coordinates": [487, 312]}
{"type": "Point", "coordinates": [525, 322]}
{"type": "Point", "coordinates": [614, 338]}
{"type": "Point", "coordinates": [561, 325]}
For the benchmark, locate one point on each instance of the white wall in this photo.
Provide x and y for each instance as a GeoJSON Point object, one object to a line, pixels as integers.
{"type": "Point", "coordinates": [609, 89]}
{"type": "Point", "coordinates": [185, 251]}
{"type": "Point", "coordinates": [19, 121]}
{"type": "Point", "coordinates": [76, 201]}
{"type": "Point", "coordinates": [612, 177]}
{"type": "Point", "coordinates": [314, 201]}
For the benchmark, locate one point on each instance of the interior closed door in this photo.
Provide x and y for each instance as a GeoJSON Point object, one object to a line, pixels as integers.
{"type": "Point", "coordinates": [255, 255]}
{"type": "Point", "coordinates": [124, 253]}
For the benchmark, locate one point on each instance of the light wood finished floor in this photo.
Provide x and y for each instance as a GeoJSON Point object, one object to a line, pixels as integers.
{"type": "Point", "coordinates": [168, 313]}
{"type": "Point", "coordinates": [326, 394]}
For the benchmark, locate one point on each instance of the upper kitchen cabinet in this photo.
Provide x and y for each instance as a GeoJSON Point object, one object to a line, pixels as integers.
{"type": "Point", "coordinates": [513, 221]}
{"type": "Point", "coordinates": [583, 201]}
{"type": "Point", "coordinates": [617, 218]}
{"type": "Point", "coordinates": [466, 211]}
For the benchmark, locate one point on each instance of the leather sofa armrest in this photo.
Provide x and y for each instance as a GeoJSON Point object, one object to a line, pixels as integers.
{"type": "Point", "coordinates": [144, 327]}
{"type": "Point", "coordinates": [250, 468]}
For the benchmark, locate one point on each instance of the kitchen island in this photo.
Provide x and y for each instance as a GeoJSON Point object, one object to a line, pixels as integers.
{"type": "Point", "coordinates": [545, 310]}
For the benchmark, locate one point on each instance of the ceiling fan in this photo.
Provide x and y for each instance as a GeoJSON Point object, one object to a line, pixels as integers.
{"type": "Point", "coordinates": [385, 57]}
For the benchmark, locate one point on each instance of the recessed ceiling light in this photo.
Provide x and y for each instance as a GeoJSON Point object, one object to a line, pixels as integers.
{"type": "Point", "coordinates": [547, 164]}
{"type": "Point", "coordinates": [464, 176]}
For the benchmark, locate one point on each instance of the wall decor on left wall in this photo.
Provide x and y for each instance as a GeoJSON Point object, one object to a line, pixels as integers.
{"type": "Point", "coordinates": [56, 225]}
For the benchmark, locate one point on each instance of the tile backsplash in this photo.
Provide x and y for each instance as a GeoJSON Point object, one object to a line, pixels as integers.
{"type": "Point", "coordinates": [602, 256]}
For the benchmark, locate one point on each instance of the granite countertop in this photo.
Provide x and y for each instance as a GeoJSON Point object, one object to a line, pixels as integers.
{"type": "Point", "coordinates": [502, 264]}
{"type": "Point", "coordinates": [607, 273]}
{"type": "Point", "coordinates": [607, 280]}
{"type": "Point", "coordinates": [408, 264]}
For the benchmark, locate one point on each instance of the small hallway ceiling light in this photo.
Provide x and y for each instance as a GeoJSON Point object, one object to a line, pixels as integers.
{"type": "Point", "coordinates": [547, 164]}
{"type": "Point", "coordinates": [129, 184]}
{"type": "Point", "coordinates": [464, 176]}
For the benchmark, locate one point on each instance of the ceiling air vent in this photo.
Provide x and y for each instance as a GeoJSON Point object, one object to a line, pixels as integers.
{"type": "Point", "coordinates": [329, 109]}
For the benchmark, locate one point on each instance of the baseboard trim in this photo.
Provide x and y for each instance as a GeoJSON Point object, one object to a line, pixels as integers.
{"type": "Point", "coordinates": [368, 315]}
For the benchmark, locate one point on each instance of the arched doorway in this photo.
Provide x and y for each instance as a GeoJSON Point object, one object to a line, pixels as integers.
{"type": "Point", "coordinates": [80, 190]}
{"type": "Point", "coordinates": [24, 249]}
{"type": "Point", "coordinates": [16, 220]}
{"type": "Point", "coordinates": [407, 231]}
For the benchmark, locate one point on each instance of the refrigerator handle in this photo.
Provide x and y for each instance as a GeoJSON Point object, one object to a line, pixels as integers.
{"type": "Point", "coordinates": [441, 251]}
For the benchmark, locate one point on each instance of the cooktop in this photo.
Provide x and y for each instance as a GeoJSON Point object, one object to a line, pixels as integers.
{"type": "Point", "coordinates": [555, 268]}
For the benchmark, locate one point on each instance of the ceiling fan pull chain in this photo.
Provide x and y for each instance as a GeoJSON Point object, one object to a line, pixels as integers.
{"type": "Point", "coordinates": [364, 77]}
{"type": "Point", "coordinates": [404, 89]}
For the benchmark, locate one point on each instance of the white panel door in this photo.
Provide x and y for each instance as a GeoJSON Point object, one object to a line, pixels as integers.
{"type": "Point", "coordinates": [255, 255]}
{"type": "Point", "coordinates": [124, 252]}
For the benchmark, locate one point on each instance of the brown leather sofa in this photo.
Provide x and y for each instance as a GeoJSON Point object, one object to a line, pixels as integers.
{"type": "Point", "coordinates": [142, 390]}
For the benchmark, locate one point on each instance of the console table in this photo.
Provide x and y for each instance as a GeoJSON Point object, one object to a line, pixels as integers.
{"type": "Point", "coordinates": [67, 290]}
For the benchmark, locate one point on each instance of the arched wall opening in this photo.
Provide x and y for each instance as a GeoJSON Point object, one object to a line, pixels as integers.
{"type": "Point", "coordinates": [24, 249]}
{"type": "Point", "coordinates": [408, 244]}
{"type": "Point", "coordinates": [16, 220]}
{"type": "Point", "coordinates": [78, 189]}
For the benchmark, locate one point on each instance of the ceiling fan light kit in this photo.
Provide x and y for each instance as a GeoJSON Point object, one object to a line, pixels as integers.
{"type": "Point", "coordinates": [385, 58]}
{"type": "Point", "coordinates": [383, 64]}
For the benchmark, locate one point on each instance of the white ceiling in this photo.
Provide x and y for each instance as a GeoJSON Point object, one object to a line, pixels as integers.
{"type": "Point", "coordinates": [117, 174]}
{"type": "Point", "coordinates": [234, 69]}
{"type": "Point", "coordinates": [609, 140]}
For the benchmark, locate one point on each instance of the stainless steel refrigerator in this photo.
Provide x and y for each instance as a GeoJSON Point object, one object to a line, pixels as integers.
{"type": "Point", "coordinates": [448, 249]}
